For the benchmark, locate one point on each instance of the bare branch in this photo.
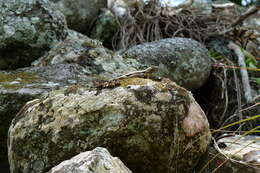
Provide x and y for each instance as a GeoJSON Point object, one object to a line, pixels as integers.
{"type": "Point", "coordinates": [252, 10]}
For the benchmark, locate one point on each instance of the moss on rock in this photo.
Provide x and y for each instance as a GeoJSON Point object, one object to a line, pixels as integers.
{"type": "Point", "coordinates": [151, 126]}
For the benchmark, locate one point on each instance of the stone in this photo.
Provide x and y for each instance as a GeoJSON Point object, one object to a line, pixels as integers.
{"type": "Point", "coordinates": [78, 60]}
{"type": "Point", "coordinates": [96, 60]}
{"type": "Point", "coordinates": [183, 60]}
{"type": "Point", "coordinates": [80, 14]}
{"type": "Point", "coordinates": [20, 86]}
{"type": "Point", "coordinates": [28, 28]}
{"type": "Point", "coordinates": [98, 160]}
{"type": "Point", "coordinates": [152, 126]}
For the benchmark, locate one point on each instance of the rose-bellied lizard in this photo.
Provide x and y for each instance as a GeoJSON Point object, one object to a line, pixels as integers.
{"type": "Point", "coordinates": [146, 73]}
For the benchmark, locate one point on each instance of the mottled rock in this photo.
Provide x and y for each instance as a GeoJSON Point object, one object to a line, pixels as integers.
{"type": "Point", "coordinates": [76, 60]}
{"type": "Point", "coordinates": [28, 28]}
{"type": "Point", "coordinates": [10, 104]}
{"type": "Point", "coordinates": [18, 87]}
{"type": "Point", "coordinates": [80, 14]}
{"type": "Point", "coordinates": [96, 60]}
{"type": "Point", "coordinates": [234, 154]}
{"type": "Point", "coordinates": [152, 126]}
{"type": "Point", "coordinates": [183, 60]}
{"type": "Point", "coordinates": [98, 160]}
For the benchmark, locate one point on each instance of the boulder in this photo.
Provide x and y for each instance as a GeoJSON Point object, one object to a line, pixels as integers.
{"type": "Point", "coordinates": [27, 30]}
{"type": "Point", "coordinates": [152, 126]}
{"type": "Point", "coordinates": [77, 60]}
{"type": "Point", "coordinates": [96, 60]}
{"type": "Point", "coordinates": [18, 87]}
{"type": "Point", "coordinates": [98, 160]}
{"type": "Point", "coordinates": [80, 14]}
{"type": "Point", "coordinates": [183, 60]}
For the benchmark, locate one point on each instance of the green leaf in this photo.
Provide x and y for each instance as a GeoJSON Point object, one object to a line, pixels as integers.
{"type": "Point", "coordinates": [257, 80]}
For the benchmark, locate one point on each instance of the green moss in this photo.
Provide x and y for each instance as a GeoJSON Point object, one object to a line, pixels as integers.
{"type": "Point", "coordinates": [22, 78]}
{"type": "Point", "coordinates": [215, 54]}
{"type": "Point", "coordinates": [92, 44]}
{"type": "Point", "coordinates": [134, 81]}
{"type": "Point", "coordinates": [128, 56]}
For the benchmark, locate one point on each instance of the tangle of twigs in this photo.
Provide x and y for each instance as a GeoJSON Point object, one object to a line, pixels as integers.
{"type": "Point", "coordinates": [150, 22]}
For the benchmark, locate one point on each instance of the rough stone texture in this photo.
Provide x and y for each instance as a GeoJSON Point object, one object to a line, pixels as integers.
{"type": "Point", "coordinates": [10, 104]}
{"type": "Point", "coordinates": [98, 160]}
{"type": "Point", "coordinates": [18, 87]}
{"type": "Point", "coordinates": [27, 29]}
{"type": "Point", "coordinates": [76, 60]}
{"type": "Point", "coordinates": [243, 156]}
{"type": "Point", "coordinates": [80, 14]}
{"type": "Point", "coordinates": [151, 126]}
{"type": "Point", "coordinates": [90, 54]}
{"type": "Point", "coordinates": [183, 60]}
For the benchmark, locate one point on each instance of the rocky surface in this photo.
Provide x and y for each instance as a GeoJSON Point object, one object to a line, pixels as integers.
{"type": "Point", "coordinates": [18, 87]}
{"type": "Point", "coordinates": [28, 28]}
{"type": "Point", "coordinates": [183, 60]}
{"type": "Point", "coordinates": [233, 154]}
{"type": "Point", "coordinates": [76, 60]}
{"type": "Point", "coordinates": [97, 61]}
{"type": "Point", "coordinates": [98, 160]}
{"type": "Point", "coordinates": [80, 14]}
{"type": "Point", "coordinates": [10, 104]}
{"type": "Point", "coordinates": [151, 126]}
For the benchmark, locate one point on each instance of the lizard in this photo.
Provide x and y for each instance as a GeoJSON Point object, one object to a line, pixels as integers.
{"type": "Point", "coordinates": [146, 73]}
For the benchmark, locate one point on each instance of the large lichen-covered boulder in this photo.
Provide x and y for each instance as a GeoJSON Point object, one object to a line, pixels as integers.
{"type": "Point", "coordinates": [18, 87]}
{"type": "Point", "coordinates": [152, 126]}
{"type": "Point", "coordinates": [80, 14]}
{"type": "Point", "coordinates": [76, 60]}
{"type": "Point", "coordinates": [28, 28]}
{"type": "Point", "coordinates": [98, 160]}
{"type": "Point", "coordinates": [183, 60]}
{"type": "Point", "coordinates": [96, 60]}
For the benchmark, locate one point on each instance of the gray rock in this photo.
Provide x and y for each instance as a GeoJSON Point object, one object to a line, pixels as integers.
{"type": "Point", "coordinates": [151, 126]}
{"type": "Point", "coordinates": [76, 60]}
{"type": "Point", "coordinates": [90, 54]}
{"type": "Point", "coordinates": [80, 14]}
{"type": "Point", "coordinates": [183, 60]}
{"type": "Point", "coordinates": [28, 28]}
{"type": "Point", "coordinates": [18, 87]}
{"type": "Point", "coordinates": [98, 160]}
